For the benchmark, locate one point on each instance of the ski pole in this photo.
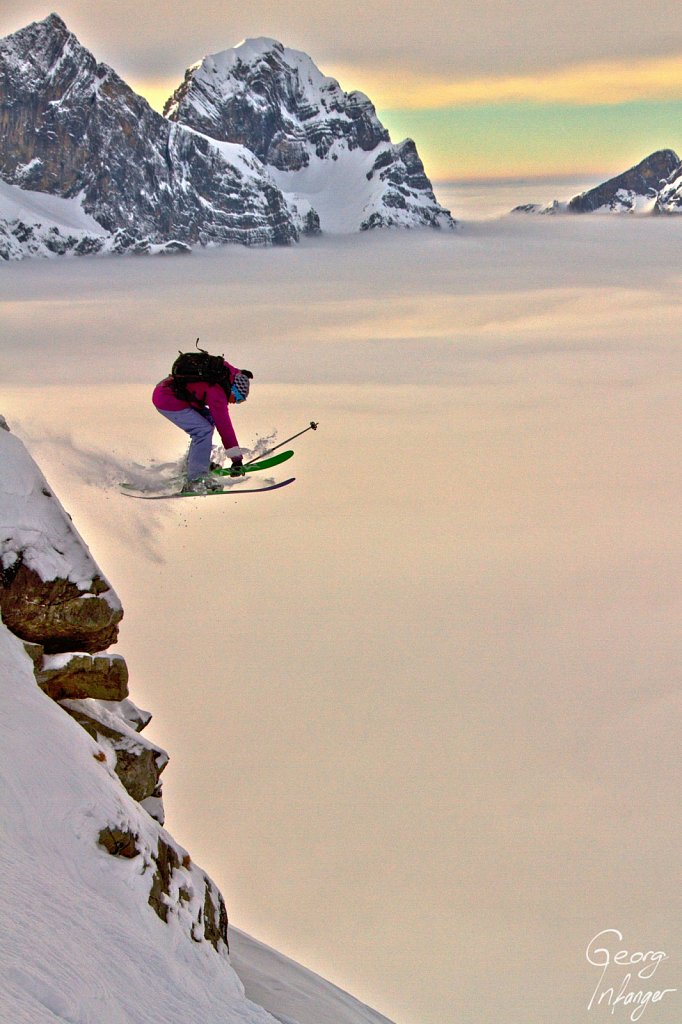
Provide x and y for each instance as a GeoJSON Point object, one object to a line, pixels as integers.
{"type": "Point", "coordinates": [313, 426]}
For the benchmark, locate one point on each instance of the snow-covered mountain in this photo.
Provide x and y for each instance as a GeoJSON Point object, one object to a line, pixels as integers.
{"type": "Point", "coordinates": [106, 918]}
{"type": "Point", "coordinates": [245, 127]}
{"type": "Point", "coordinates": [74, 129]}
{"type": "Point", "coordinates": [326, 149]}
{"type": "Point", "coordinates": [652, 186]}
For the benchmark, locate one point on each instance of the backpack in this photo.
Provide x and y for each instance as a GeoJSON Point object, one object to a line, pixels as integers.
{"type": "Point", "coordinates": [195, 367]}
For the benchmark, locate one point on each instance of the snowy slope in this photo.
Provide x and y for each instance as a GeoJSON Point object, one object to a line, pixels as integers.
{"type": "Point", "coordinates": [290, 992]}
{"type": "Point", "coordinates": [326, 148]}
{"type": "Point", "coordinates": [35, 529]}
{"type": "Point", "coordinates": [41, 224]}
{"type": "Point", "coordinates": [85, 947]}
{"type": "Point", "coordinates": [330, 186]}
{"type": "Point", "coordinates": [42, 208]}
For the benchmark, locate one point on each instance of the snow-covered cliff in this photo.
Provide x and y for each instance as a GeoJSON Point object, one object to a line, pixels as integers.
{"type": "Point", "coordinates": [106, 918]}
{"type": "Point", "coordinates": [326, 149]}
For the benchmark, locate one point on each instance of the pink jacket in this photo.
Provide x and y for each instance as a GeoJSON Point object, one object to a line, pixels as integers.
{"type": "Point", "coordinates": [211, 395]}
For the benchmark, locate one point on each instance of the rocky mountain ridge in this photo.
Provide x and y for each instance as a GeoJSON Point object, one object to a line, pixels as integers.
{"type": "Point", "coordinates": [653, 186]}
{"type": "Point", "coordinates": [73, 129]}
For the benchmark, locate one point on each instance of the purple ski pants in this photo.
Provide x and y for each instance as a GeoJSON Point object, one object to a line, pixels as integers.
{"type": "Point", "coordinates": [200, 429]}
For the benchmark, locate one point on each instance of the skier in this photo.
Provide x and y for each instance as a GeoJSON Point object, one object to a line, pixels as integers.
{"type": "Point", "coordinates": [197, 407]}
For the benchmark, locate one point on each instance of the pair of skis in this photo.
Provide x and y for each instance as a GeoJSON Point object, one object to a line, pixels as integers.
{"type": "Point", "coordinates": [134, 492]}
{"type": "Point", "coordinates": [250, 467]}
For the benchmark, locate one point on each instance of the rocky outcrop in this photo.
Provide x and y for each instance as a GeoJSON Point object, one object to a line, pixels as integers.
{"type": "Point", "coordinates": [71, 127]}
{"type": "Point", "coordinates": [319, 141]}
{"type": "Point", "coordinates": [57, 613]}
{"type": "Point", "coordinates": [51, 591]}
{"type": "Point", "coordinates": [177, 887]}
{"type": "Point", "coordinates": [138, 763]}
{"type": "Point", "coordinates": [75, 676]}
{"type": "Point", "coordinates": [120, 842]}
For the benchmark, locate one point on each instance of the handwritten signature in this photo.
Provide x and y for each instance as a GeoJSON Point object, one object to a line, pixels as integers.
{"type": "Point", "coordinates": [624, 993]}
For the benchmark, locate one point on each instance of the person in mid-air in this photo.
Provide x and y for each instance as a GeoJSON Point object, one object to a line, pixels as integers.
{"type": "Point", "coordinates": [199, 406]}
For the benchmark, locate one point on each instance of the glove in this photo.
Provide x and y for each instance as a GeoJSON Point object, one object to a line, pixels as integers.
{"type": "Point", "coordinates": [247, 373]}
{"type": "Point", "coordinates": [237, 468]}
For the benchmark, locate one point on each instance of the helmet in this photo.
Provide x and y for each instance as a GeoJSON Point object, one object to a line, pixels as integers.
{"type": "Point", "coordinates": [240, 386]}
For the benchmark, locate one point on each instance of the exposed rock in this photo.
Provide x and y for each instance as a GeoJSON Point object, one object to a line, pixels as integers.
{"type": "Point", "coordinates": [57, 613]}
{"type": "Point", "coordinates": [326, 148]}
{"type": "Point", "coordinates": [119, 842]}
{"type": "Point", "coordinates": [167, 861]}
{"type": "Point", "coordinates": [71, 127]}
{"type": "Point", "coordinates": [137, 762]}
{"type": "Point", "coordinates": [104, 677]}
{"type": "Point", "coordinates": [214, 915]}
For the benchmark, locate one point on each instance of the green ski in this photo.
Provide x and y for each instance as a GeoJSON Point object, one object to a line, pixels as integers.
{"type": "Point", "coordinates": [253, 467]}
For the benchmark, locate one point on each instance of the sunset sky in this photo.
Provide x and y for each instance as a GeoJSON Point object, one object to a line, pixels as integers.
{"type": "Point", "coordinates": [504, 88]}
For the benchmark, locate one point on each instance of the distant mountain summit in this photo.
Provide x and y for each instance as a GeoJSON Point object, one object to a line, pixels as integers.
{"type": "Point", "coordinates": [325, 149]}
{"type": "Point", "coordinates": [653, 186]}
{"type": "Point", "coordinates": [276, 102]}
{"type": "Point", "coordinates": [636, 188]}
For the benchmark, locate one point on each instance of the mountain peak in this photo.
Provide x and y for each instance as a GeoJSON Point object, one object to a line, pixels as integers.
{"type": "Point", "coordinates": [325, 148]}
{"type": "Point", "coordinates": [54, 23]}
{"type": "Point", "coordinates": [34, 55]}
{"type": "Point", "coordinates": [644, 179]}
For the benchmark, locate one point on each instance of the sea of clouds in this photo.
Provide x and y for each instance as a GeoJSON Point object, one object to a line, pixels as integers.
{"type": "Point", "coordinates": [421, 704]}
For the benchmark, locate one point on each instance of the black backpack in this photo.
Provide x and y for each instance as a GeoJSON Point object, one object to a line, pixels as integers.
{"type": "Point", "coordinates": [195, 367]}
